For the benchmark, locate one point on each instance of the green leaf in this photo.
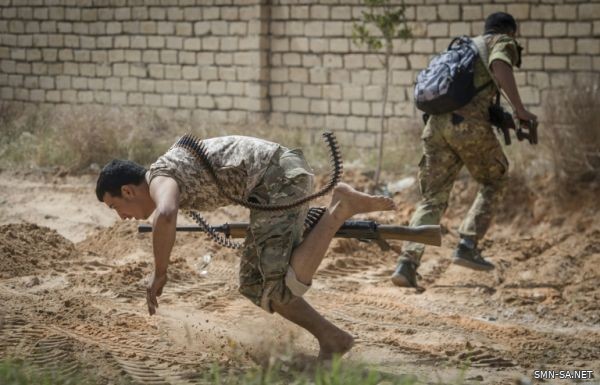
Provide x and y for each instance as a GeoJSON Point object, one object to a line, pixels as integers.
{"type": "Point", "coordinates": [389, 20]}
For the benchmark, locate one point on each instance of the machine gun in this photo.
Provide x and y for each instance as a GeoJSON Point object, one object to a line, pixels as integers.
{"type": "Point", "coordinates": [366, 231]}
{"type": "Point", "coordinates": [504, 122]}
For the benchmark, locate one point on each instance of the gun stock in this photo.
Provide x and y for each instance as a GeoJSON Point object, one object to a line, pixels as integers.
{"type": "Point", "coordinates": [426, 234]}
{"type": "Point", "coordinates": [364, 230]}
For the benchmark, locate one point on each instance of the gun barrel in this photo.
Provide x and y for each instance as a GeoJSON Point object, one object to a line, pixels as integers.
{"type": "Point", "coordinates": [233, 230]}
{"type": "Point", "coordinates": [429, 234]}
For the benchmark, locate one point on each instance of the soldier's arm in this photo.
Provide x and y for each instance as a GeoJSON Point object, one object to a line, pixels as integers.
{"type": "Point", "coordinates": [165, 193]}
{"type": "Point", "coordinates": [506, 80]}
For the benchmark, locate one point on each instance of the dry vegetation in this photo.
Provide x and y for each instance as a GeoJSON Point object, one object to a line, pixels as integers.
{"type": "Point", "coordinates": [83, 138]}
{"type": "Point", "coordinates": [76, 138]}
{"type": "Point", "coordinates": [574, 133]}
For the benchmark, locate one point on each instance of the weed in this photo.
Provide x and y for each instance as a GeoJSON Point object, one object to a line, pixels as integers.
{"type": "Point", "coordinates": [16, 372]}
{"type": "Point", "coordinates": [336, 372]}
{"type": "Point", "coordinates": [574, 133]}
{"type": "Point", "coordinates": [77, 137]}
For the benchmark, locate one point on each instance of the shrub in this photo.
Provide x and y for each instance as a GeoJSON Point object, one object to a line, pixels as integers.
{"type": "Point", "coordinates": [17, 372]}
{"type": "Point", "coordinates": [573, 133]}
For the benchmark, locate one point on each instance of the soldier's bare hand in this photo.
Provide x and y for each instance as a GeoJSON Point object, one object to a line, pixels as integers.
{"type": "Point", "coordinates": [525, 115]}
{"type": "Point", "coordinates": [154, 290]}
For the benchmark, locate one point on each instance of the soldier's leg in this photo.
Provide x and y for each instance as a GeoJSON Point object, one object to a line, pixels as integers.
{"type": "Point", "coordinates": [307, 257]}
{"type": "Point", "coordinates": [332, 340]}
{"type": "Point", "coordinates": [488, 165]}
{"type": "Point", "coordinates": [438, 169]}
{"type": "Point", "coordinates": [263, 278]}
{"type": "Point", "coordinates": [345, 203]}
{"type": "Point", "coordinates": [480, 214]}
{"type": "Point", "coordinates": [264, 271]}
{"type": "Point", "coordinates": [277, 267]}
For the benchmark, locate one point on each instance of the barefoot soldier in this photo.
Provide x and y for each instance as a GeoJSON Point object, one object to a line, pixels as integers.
{"type": "Point", "coordinates": [277, 264]}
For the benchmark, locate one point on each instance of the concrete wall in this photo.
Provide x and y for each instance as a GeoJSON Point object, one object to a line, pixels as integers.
{"type": "Point", "coordinates": [285, 62]}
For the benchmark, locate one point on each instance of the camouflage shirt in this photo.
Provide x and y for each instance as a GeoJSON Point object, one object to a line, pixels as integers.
{"type": "Point", "coordinates": [239, 162]}
{"type": "Point", "coordinates": [500, 47]}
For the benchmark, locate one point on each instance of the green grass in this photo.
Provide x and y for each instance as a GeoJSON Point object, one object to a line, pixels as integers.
{"type": "Point", "coordinates": [17, 372]}
{"type": "Point", "coordinates": [336, 373]}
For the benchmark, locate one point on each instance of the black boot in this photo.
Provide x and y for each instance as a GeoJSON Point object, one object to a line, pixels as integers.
{"type": "Point", "coordinates": [405, 274]}
{"type": "Point", "coordinates": [470, 257]}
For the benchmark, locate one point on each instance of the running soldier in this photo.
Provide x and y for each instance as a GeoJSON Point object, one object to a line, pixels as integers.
{"type": "Point", "coordinates": [277, 264]}
{"type": "Point", "coordinates": [465, 138]}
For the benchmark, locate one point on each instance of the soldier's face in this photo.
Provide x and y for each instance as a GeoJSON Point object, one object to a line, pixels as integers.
{"type": "Point", "coordinates": [128, 205]}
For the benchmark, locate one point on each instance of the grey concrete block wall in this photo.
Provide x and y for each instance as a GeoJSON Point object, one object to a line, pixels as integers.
{"type": "Point", "coordinates": [199, 58]}
{"type": "Point", "coordinates": [288, 62]}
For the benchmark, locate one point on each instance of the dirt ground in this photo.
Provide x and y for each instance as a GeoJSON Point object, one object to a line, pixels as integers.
{"type": "Point", "coordinates": [72, 291]}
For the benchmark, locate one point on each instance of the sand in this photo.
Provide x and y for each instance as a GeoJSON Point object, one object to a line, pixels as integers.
{"type": "Point", "coordinates": [72, 289]}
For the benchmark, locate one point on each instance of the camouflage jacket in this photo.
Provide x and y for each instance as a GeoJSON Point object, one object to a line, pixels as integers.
{"type": "Point", "coordinates": [239, 161]}
{"type": "Point", "coordinates": [500, 47]}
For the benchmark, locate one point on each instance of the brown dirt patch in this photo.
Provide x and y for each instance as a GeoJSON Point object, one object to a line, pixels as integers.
{"type": "Point", "coordinates": [26, 248]}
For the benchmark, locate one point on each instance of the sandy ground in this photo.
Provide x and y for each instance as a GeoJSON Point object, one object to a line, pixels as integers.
{"type": "Point", "coordinates": [72, 291]}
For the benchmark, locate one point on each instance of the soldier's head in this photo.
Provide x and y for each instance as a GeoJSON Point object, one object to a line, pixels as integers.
{"type": "Point", "coordinates": [122, 187]}
{"type": "Point", "coordinates": [500, 22]}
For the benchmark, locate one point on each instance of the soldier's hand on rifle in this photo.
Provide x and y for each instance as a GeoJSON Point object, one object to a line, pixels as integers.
{"type": "Point", "coordinates": [526, 115]}
{"type": "Point", "coordinates": [527, 128]}
{"type": "Point", "coordinates": [154, 289]}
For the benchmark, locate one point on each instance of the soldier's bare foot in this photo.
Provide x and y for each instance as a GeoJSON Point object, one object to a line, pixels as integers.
{"type": "Point", "coordinates": [336, 344]}
{"type": "Point", "coordinates": [347, 201]}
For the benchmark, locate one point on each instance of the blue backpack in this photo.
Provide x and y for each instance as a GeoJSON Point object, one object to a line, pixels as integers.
{"type": "Point", "coordinates": [447, 83]}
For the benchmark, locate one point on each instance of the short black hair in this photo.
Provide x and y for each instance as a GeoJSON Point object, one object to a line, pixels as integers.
{"type": "Point", "coordinates": [116, 174]}
{"type": "Point", "coordinates": [500, 22]}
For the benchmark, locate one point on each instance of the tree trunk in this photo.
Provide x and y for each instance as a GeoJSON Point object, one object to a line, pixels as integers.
{"type": "Point", "coordinates": [388, 54]}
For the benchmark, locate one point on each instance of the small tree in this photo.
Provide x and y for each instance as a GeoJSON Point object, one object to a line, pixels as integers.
{"type": "Point", "coordinates": [390, 22]}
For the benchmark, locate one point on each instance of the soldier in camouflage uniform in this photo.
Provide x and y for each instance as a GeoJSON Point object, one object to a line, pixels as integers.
{"type": "Point", "coordinates": [277, 264]}
{"type": "Point", "coordinates": [465, 138]}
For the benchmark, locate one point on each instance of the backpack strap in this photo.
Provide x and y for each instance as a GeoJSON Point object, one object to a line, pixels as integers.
{"type": "Point", "coordinates": [459, 39]}
{"type": "Point", "coordinates": [482, 49]}
{"type": "Point", "coordinates": [454, 41]}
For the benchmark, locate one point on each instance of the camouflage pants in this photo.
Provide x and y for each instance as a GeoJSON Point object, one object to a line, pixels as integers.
{"type": "Point", "coordinates": [446, 148]}
{"type": "Point", "coordinates": [273, 235]}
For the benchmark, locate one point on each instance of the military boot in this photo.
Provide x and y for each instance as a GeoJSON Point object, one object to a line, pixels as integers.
{"type": "Point", "coordinates": [405, 274]}
{"type": "Point", "coordinates": [470, 257]}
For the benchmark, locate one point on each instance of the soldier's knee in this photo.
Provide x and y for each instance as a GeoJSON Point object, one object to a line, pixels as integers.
{"type": "Point", "coordinates": [434, 204]}
{"type": "Point", "coordinates": [252, 292]}
{"type": "Point", "coordinates": [496, 180]}
{"type": "Point", "coordinates": [297, 288]}
{"type": "Point", "coordinates": [279, 291]}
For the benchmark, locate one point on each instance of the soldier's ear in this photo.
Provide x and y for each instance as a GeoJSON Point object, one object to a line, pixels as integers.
{"type": "Point", "coordinates": [127, 191]}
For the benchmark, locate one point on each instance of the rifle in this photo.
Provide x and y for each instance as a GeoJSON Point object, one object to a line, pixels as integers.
{"type": "Point", "coordinates": [504, 122]}
{"type": "Point", "coordinates": [365, 231]}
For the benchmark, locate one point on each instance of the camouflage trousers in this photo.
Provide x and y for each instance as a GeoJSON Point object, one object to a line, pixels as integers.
{"type": "Point", "coordinates": [447, 147]}
{"type": "Point", "coordinates": [273, 235]}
